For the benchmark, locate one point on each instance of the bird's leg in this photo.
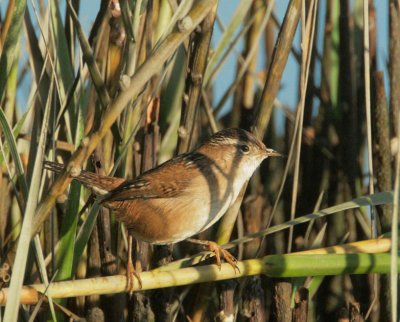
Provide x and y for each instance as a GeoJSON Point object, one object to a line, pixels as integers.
{"type": "Point", "coordinates": [218, 251]}
{"type": "Point", "coordinates": [130, 269]}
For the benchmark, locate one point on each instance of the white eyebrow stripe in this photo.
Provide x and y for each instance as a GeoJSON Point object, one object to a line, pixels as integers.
{"type": "Point", "coordinates": [226, 140]}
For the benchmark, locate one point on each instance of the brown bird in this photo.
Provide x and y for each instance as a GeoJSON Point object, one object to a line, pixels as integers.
{"type": "Point", "coordinates": [184, 195]}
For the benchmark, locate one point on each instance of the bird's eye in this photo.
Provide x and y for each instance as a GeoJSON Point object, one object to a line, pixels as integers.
{"type": "Point", "coordinates": [244, 148]}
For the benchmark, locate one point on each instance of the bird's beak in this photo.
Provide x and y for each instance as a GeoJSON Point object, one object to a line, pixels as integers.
{"type": "Point", "coordinates": [272, 153]}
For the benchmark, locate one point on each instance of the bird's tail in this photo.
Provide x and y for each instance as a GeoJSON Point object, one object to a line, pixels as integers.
{"type": "Point", "coordinates": [100, 185]}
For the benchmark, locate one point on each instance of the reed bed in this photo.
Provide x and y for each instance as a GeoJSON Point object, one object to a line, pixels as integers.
{"type": "Point", "coordinates": [313, 232]}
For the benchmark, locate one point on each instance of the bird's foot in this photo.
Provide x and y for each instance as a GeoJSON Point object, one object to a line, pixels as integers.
{"type": "Point", "coordinates": [131, 272]}
{"type": "Point", "coordinates": [218, 251]}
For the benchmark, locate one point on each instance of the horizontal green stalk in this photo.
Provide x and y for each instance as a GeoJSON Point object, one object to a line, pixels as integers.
{"type": "Point", "coordinates": [328, 264]}
{"type": "Point", "coordinates": [290, 265]}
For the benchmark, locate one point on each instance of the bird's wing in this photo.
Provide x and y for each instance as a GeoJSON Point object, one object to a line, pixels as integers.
{"type": "Point", "coordinates": [164, 181]}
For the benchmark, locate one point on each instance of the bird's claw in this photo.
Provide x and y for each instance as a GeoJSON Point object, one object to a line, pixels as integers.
{"type": "Point", "coordinates": [131, 273]}
{"type": "Point", "coordinates": [218, 251]}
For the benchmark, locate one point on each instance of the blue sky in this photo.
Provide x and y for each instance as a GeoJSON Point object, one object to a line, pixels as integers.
{"type": "Point", "coordinates": [289, 92]}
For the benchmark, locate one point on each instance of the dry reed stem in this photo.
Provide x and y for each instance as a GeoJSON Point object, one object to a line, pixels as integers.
{"type": "Point", "coordinates": [308, 28]}
{"type": "Point", "coordinates": [277, 66]}
{"type": "Point", "coordinates": [198, 59]}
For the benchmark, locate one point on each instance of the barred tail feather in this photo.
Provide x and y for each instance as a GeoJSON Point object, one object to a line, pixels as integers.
{"type": "Point", "coordinates": [100, 185]}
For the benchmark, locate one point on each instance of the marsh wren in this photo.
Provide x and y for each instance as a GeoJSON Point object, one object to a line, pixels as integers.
{"type": "Point", "coordinates": [184, 195]}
